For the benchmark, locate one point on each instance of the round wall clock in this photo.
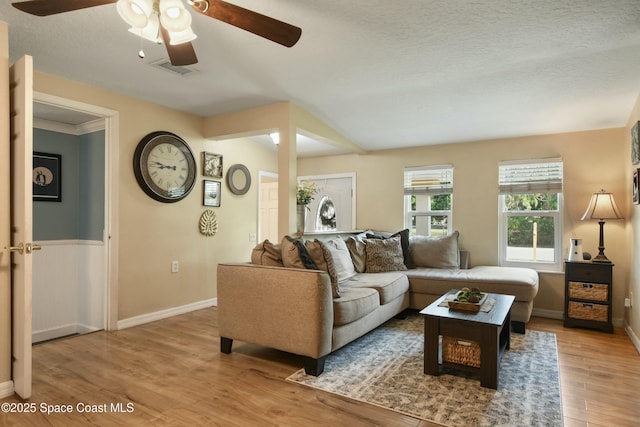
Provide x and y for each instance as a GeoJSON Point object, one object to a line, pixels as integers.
{"type": "Point", "coordinates": [164, 167]}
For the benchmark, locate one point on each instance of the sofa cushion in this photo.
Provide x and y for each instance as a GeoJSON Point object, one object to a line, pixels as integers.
{"type": "Point", "coordinates": [339, 265]}
{"type": "Point", "coordinates": [433, 252]}
{"type": "Point", "coordinates": [353, 304]}
{"type": "Point", "coordinates": [315, 251]}
{"type": "Point", "coordinates": [520, 282]}
{"type": "Point", "coordinates": [266, 253]}
{"type": "Point", "coordinates": [295, 254]}
{"type": "Point", "coordinates": [404, 241]}
{"type": "Point", "coordinates": [390, 285]}
{"type": "Point", "coordinates": [384, 255]}
{"type": "Point", "coordinates": [336, 249]}
{"type": "Point", "coordinates": [358, 253]}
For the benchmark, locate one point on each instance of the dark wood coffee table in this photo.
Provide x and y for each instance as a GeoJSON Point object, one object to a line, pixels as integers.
{"type": "Point", "coordinates": [490, 330]}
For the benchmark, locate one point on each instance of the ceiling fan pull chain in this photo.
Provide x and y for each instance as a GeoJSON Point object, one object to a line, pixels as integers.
{"type": "Point", "coordinates": [141, 53]}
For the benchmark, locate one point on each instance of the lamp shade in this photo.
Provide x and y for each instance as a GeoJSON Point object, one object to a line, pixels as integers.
{"type": "Point", "coordinates": [602, 206]}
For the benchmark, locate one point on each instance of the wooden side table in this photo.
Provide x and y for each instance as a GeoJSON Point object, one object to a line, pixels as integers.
{"type": "Point", "coordinates": [588, 295]}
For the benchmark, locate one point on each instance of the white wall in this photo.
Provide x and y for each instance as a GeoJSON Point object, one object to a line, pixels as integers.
{"type": "Point", "coordinates": [68, 288]}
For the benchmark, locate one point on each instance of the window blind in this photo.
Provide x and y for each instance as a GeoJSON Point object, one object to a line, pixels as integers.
{"type": "Point", "coordinates": [428, 180]}
{"type": "Point", "coordinates": [534, 176]}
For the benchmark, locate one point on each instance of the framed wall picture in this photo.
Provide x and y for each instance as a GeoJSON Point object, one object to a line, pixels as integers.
{"type": "Point", "coordinates": [636, 194]}
{"type": "Point", "coordinates": [635, 143]}
{"type": "Point", "coordinates": [211, 193]}
{"type": "Point", "coordinates": [47, 177]}
{"type": "Point", "coordinates": [212, 165]}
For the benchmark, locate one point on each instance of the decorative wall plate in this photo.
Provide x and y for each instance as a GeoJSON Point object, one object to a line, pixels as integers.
{"type": "Point", "coordinates": [238, 179]}
{"type": "Point", "coordinates": [208, 223]}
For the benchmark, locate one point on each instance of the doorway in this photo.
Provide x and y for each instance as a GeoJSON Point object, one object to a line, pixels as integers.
{"type": "Point", "coordinates": [73, 280]}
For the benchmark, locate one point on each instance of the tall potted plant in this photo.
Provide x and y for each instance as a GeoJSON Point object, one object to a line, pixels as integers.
{"type": "Point", "coordinates": [304, 195]}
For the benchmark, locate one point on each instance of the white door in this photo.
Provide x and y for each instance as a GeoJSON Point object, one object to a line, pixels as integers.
{"type": "Point", "coordinates": [21, 221]}
{"type": "Point", "coordinates": [269, 211]}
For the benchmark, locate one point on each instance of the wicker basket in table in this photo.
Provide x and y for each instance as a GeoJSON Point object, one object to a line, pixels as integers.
{"type": "Point", "coordinates": [591, 291]}
{"type": "Point", "coordinates": [587, 311]}
{"type": "Point", "coordinates": [462, 352]}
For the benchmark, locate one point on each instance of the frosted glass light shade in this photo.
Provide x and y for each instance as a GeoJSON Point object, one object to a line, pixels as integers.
{"type": "Point", "coordinates": [135, 12]}
{"type": "Point", "coordinates": [151, 32]}
{"type": "Point", "coordinates": [179, 37]}
{"type": "Point", "coordinates": [173, 16]}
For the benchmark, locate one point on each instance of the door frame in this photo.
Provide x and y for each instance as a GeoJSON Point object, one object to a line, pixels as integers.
{"type": "Point", "coordinates": [111, 240]}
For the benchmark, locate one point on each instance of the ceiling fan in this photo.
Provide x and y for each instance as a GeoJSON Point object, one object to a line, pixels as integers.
{"type": "Point", "coordinates": [168, 21]}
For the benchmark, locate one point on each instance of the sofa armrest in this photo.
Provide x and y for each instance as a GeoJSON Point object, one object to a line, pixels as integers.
{"type": "Point", "coordinates": [288, 309]}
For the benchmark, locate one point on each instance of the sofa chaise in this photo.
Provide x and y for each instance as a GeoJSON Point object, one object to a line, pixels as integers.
{"type": "Point", "coordinates": [312, 297]}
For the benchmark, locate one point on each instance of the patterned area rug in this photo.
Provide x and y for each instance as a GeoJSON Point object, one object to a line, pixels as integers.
{"type": "Point", "coordinates": [385, 368]}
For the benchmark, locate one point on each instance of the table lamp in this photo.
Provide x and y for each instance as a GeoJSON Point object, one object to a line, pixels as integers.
{"type": "Point", "coordinates": [602, 206]}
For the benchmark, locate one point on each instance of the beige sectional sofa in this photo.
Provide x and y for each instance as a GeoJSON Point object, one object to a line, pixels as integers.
{"type": "Point", "coordinates": [275, 301]}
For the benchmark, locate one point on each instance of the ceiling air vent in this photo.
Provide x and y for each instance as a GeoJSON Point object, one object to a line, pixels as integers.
{"type": "Point", "coordinates": [166, 65]}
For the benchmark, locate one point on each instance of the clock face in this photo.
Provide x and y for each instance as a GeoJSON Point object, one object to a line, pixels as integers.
{"type": "Point", "coordinates": [164, 167]}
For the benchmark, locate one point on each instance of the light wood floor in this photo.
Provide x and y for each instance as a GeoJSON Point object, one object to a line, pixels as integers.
{"type": "Point", "coordinates": [172, 374]}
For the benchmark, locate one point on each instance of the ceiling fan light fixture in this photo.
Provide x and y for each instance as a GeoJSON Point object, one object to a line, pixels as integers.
{"type": "Point", "coordinates": [135, 12]}
{"type": "Point", "coordinates": [179, 37]}
{"type": "Point", "coordinates": [174, 16]}
{"type": "Point", "coordinates": [151, 32]}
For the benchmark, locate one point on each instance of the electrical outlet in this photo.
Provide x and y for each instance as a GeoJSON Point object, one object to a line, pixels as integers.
{"type": "Point", "coordinates": [252, 237]}
{"type": "Point", "coordinates": [627, 302]}
{"type": "Point", "coordinates": [175, 266]}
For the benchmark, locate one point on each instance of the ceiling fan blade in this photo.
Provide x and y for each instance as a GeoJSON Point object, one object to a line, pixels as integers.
{"type": "Point", "coordinates": [51, 7]}
{"type": "Point", "coordinates": [254, 22]}
{"type": "Point", "coordinates": [180, 54]}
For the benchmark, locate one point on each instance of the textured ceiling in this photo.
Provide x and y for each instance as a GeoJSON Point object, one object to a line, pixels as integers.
{"type": "Point", "coordinates": [384, 74]}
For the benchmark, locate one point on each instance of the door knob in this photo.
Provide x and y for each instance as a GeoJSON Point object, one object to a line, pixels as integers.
{"type": "Point", "coordinates": [22, 248]}
{"type": "Point", "coordinates": [30, 247]}
{"type": "Point", "coordinates": [19, 248]}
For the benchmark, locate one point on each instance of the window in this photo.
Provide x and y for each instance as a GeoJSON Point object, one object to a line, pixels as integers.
{"type": "Point", "coordinates": [530, 214]}
{"type": "Point", "coordinates": [428, 200]}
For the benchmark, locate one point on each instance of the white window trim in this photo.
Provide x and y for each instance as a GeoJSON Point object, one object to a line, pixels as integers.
{"type": "Point", "coordinates": [429, 191]}
{"type": "Point", "coordinates": [408, 214]}
{"type": "Point", "coordinates": [541, 266]}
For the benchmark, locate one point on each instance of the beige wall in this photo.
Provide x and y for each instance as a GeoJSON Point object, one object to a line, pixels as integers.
{"type": "Point", "coordinates": [592, 160]}
{"type": "Point", "coordinates": [5, 225]}
{"type": "Point", "coordinates": [152, 234]}
{"type": "Point", "coordinates": [633, 225]}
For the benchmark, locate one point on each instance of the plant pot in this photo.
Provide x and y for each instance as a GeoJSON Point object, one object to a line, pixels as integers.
{"type": "Point", "coordinates": [301, 214]}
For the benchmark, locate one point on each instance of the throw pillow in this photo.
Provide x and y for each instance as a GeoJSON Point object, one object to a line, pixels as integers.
{"type": "Point", "coordinates": [356, 247]}
{"type": "Point", "coordinates": [295, 254]}
{"type": "Point", "coordinates": [339, 264]}
{"type": "Point", "coordinates": [384, 255]}
{"type": "Point", "coordinates": [442, 252]}
{"type": "Point", "coordinates": [266, 253]}
{"type": "Point", "coordinates": [314, 248]}
{"type": "Point", "coordinates": [404, 241]}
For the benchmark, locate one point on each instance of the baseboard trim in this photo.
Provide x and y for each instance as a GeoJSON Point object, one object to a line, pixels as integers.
{"type": "Point", "coordinates": [49, 334]}
{"type": "Point", "coordinates": [634, 338]}
{"type": "Point", "coordinates": [548, 314]}
{"type": "Point", "coordinates": [559, 315]}
{"type": "Point", "coordinates": [163, 314]}
{"type": "Point", "coordinates": [61, 331]}
{"type": "Point", "coordinates": [6, 389]}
